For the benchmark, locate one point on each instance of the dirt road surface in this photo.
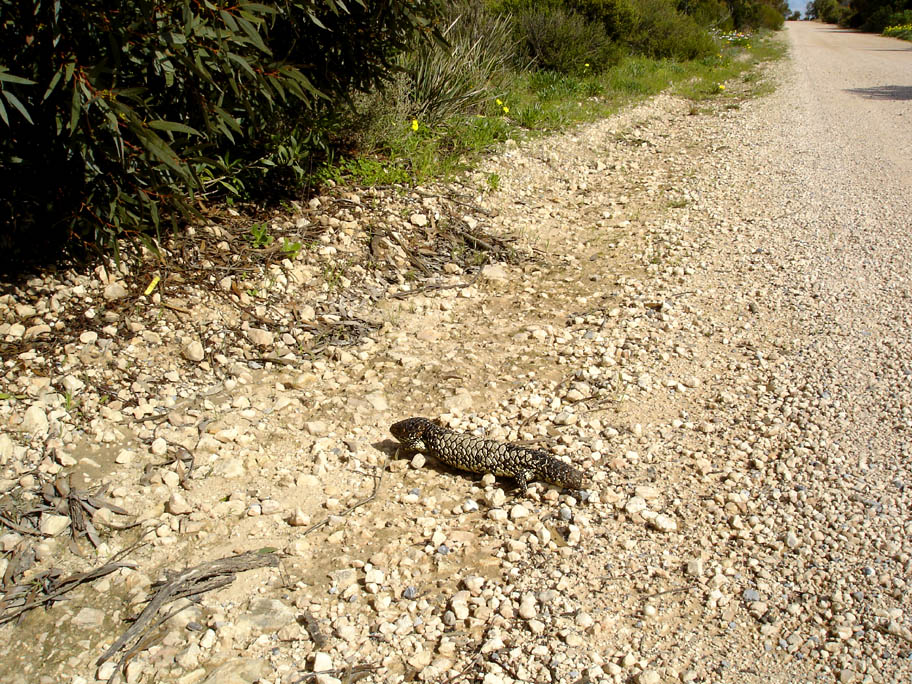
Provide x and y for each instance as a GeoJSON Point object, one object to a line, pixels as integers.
{"type": "Point", "coordinates": [708, 311]}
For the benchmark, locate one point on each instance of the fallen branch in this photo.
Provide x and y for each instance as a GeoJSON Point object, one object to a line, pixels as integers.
{"type": "Point", "coordinates": [47, 588]}
{"type": "Point", "coordinates": [196, 580]}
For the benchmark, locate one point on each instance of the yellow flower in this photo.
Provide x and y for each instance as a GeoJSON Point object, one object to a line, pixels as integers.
{"type": "Point", "coordinates": [586, 65]}
{"type": "Point", "coordinates": [499, 102]}
{"type": "Point", "coordinates": [721, 87]}
{"type": "Point", "coordinates": [414, 124]}
{"type": "Point", "coordinates": [506, 110]}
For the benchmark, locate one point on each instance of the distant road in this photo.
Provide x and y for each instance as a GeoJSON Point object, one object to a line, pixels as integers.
{"type": "Point", "coordinates": [858, 86]}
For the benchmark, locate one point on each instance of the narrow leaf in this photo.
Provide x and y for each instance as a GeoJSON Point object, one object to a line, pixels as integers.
{"type": "Point", "coordinates": [237, 59]}
{"type": "Point", "coordinates": [9, 78]}
{"type": "Point", "coordinates": [52, 84]}
{"type": "Point", "coordinates": [173, 126]}
{"type": "Point", "coordinates": [254, 35]}
{"type": "Point", "coordinates": [13, 100]}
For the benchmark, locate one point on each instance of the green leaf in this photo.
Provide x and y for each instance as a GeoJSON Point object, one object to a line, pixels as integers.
{"type": "Point", "coordinates": [229, 20]}
{"type": "Point", "coordinates": [313, 18]}
{"type": "Point", "coordinates": [3, 114]}
{"type": "Point", "coordinates": [53, 84]}
{"type": "Point", "coordinates": [75, 109]}
{"type": "Point", "coordinates": [254, 35]}
{"type": "Point", "coordinates": [237, 59]}
{"type": "Point", "coordinates": [13, 100]}
{"type": "Point", "coordinates": [172, 126]}
{"type": "Point", "coordinates": [228, 119]}
{"type": "Point", "coordinates": [9, 78]}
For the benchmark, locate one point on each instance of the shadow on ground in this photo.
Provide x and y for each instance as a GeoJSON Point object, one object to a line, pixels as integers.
{"type": "Point", "coordinates": [888, 92]}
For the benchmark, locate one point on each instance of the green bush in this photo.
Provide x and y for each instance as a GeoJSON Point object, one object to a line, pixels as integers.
{"type": "Point", "coordinates": [709, 13]}
{"type": "Point", "coordinates": [117, 117]}
{"type": "Point", "coordinates": [460, 77]}
{"type": "Point", "coordinates": [554, 39]}
{"type": "Point", "coordinates": [616, 17]}
{"type": "Point", "coordinates": [884, 17]}
{"type": "Point", "coordinates": [828, 11]}
{"type": "Point", "coordinates": [661, 31]}
{"type": "Point", "coordinates": [768, 17]}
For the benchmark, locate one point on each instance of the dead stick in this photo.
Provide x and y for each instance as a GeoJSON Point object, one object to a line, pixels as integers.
{"type": "Point", "coordinates": [202, 577]}
{"type": "Point", "coordinates": [373, 495]}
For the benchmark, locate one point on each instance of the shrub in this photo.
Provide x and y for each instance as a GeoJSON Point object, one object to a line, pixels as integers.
{"type": "Point", "coordinates": [661, 31]}
{"type": "Point", "coordinates": [884, 17]}
{"type": "Point", "coordinates": [459, 77]}
{"type": "Point", "coordinates": [117, 117]}
{"type": "Point", "coordinates": [616, 17]}
{"type": "Point", "coordinates": [554, 39]}
{"type": "Point", "coordinates": [829, 11]}
{"type": "Point", "coordinates": [903, 31]}
{"type": "Point", "coordinates": [709, 13]}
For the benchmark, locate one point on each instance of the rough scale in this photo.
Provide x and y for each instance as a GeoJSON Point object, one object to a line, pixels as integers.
{"type": "Point", "coordinates": [476, 455]}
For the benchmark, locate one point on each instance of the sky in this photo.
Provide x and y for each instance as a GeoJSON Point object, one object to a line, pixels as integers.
{"type": "Point", "coordinates": [797, 5]}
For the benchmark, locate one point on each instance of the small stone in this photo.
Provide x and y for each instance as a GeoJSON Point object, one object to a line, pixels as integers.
{"type": "Point", "coordinates": [239, 671]}
{"type": "Point", "coordinates": [528, 609]}
{"type": "Point", "coordinates": [791, 540]}
{"type": "Point", "coordinates": [461, 402]}
{"type": "Point", "coordinates": [89, 617]}
{"type": "Point", "coordinates": [6, 448]}
{"type": "Point", "coordinates": [193, 351]}
{"type": "Point", "coordinates": [53, 524]}
{"type": "Point", "coordinates": [124, 457]}
{"type": "Point", "coordinates": [115, 290]}
{"type": "Point", "coordinates": [134, 671]}
{"type": "Point", "coordinates": [649, 677]}
{"type": "Point", "coordinates": [751, 595]}
{"type": "Point", "coordinates": [495, 498]}
{"type": "Point", "coordinates": [106, 670]}
{"type": "Point", "coordinates": [269, 615]}
{"type": "Point", "coordinates": [315, 427]}
{"type": "Point", "coordinates": [474, 584]}
{"type": "Point", "coordinates": [72, 384]}
{"type": "Point", "coordinates": [159, 447]}
{"type": "Point", "coordinates": [664, 523]}
{"type": "Point", "coordinates": [374, 576]}
{"type": "Point", "coordinates": [322, 662]}
{"type": "Point", "coordinates": [418, 461]}
{"type": "Point", "coordinates": [270, 507]}
{"type": "Point", "coordinates": [495, 273]}
{"type": "Point", "coordinates": [298, 518]}
{"type": "Point", "coordinates": [88, 337]}
{"type": "Point", "coordinates": [377, 400]}
{"type": "Point", "coordinates": [584, 620]}
{"type": "Point", "coordinates": [177, 505]}
{"type": "Point", "coordinates": [344, 578]}
{"type": "Point", "coordinates": [35, 420]}
{"type": "Point", "coordinates": [695, 567]}
{"type": "Point", "coordinates": [260, 337]}
{"type": "Point", "coordinates": [635, 504]}
{"type": "Point", "coordinates": [518, 512]}
{"type": "Point", "coordinates": [419, 220]}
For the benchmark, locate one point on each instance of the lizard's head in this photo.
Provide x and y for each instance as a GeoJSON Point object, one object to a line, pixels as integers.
{"type": "Point", "coordinates": [410, 432]}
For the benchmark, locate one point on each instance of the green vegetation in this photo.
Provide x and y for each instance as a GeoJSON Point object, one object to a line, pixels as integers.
{"type": "Point", "coordinates": [903, 31]}
{"type": "Point", "coordinates": [875, 16]}
{"type": "Point", "coordinates": [119, 123]}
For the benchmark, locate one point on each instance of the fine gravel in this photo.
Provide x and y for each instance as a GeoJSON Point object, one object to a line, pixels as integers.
{"type": "Point", "coordinates": [706, 311]}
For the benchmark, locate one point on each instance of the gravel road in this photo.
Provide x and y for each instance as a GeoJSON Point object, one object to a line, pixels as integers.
{"type": "Point", "coordinates": [708, 312]}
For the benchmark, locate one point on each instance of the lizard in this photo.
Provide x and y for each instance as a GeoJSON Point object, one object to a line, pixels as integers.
{"type": "Point", "coordinates": [476, 455]}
